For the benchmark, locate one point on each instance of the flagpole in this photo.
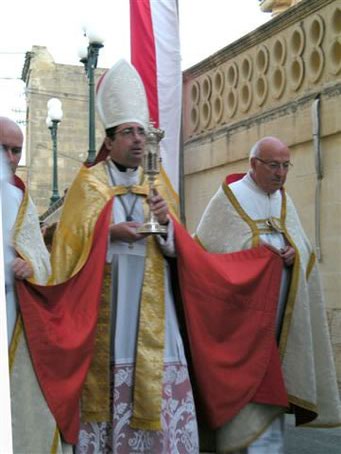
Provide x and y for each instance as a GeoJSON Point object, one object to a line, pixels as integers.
{"type": "Point", "coordinates": [181, 158]}
{"type": "Point", "coordinates": [182, 174]}
{"type": "Point", "coordinates": [5, 396]}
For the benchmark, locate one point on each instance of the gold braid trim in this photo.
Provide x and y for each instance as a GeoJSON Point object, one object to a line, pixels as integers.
{"type": "Point", "coordinates": [236, 205]}
{"type": "Point", "coordinates": [134, 189]}
{"type": "Point", "coordinates": [72, 240]}
{"type": "Point", "coordinates": [96, 391]}
{"type": "Point", "coordinates": [151, 335]}
{"type": "Point", "coordinates": [18, 331]}
{"type": "Point", "coordinates": [20, 217]}
{"type": "Point", "coordinates": [311, 263]}
{"type": "Point", "coordinates": [302, 403]}
{"type": "Point", "coordinates": [198, 240]}
{"type": "Point", "coordinates": [150, 343]}
{"type": "Point", "coordinates": [20, 222]}
{"type": "Point", "coordinates": [55, 441]}
{"type": "Point", "coordinates": [295, 275]}
{"type": "Point", "coordinates": [289, 307]}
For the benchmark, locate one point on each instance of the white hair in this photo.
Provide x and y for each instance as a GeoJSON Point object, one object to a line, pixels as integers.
{"type": "Point", "coordinates": [254, 152]}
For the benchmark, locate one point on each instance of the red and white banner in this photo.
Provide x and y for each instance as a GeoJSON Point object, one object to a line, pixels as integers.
{"type": "Point", "coordinates": [155, 53]}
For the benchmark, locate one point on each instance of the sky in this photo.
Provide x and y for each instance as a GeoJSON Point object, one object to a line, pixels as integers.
{"type": "Point", "coordinates": [205, 27]}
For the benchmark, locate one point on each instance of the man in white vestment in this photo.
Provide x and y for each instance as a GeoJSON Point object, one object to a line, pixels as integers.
{"type": "Point", "coordinates": [11, 139]}
{"type": "Point", "coordinates": [245, 212]}
{"type": "Point", "coordinates": [26, 258]}
{"type": "Point", "coordinates": [147, 406]}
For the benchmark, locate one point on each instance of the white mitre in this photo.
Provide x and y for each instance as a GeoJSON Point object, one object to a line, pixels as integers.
{"type": "Point", "coordinates": [121, 97]}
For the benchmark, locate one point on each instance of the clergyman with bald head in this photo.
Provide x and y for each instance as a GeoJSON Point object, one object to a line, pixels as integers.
{"type": "Point", "coordinates": [251, 210]}
{"type": "Point", "coordinates": [26, 259]}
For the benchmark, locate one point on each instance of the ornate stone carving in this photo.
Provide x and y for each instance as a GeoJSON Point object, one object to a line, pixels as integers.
{"type": "Point", "coordinates": [287, 64]}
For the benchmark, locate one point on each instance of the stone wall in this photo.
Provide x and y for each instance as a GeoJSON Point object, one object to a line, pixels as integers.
{"type": "Point", "coordinates": [264, 84]}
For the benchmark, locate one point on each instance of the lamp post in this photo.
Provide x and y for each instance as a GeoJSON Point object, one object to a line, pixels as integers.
{"type": "Point", "coordinates": [89, 56]}
{"type": "Point", "coordinates": [54, 116]}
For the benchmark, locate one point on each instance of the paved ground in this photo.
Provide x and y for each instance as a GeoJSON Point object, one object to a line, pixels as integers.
{"type": "Point", "coordinates": [311, 441]}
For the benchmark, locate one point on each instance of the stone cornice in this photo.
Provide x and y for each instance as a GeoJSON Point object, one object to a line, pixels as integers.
{"type": "Point", "coordinates": [291, 16]}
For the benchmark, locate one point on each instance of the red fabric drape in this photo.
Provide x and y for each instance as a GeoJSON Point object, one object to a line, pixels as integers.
{"type": "Point", "coordinates": [234, 177]}
{"type": "Point", "coordinates": [60, 322]}
{"type": "Point", "coordinates": [19, 183]}
{"type": "Point", "coordinates": [230, 305]}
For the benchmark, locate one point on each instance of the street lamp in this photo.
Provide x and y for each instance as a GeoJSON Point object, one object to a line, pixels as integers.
{"type": "Point", "coordinates": [89, 56]}
{"type": "Point", "coordinates": [54, 116]}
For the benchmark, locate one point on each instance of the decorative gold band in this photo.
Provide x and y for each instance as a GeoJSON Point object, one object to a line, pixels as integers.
{"type": "Point", "coordinates": [150, 344]}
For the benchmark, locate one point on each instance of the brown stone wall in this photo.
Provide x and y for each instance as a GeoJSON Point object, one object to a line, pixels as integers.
{"type": "Point", "coordinates": [266, 84]}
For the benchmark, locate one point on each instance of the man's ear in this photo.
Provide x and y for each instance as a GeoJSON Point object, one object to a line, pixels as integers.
{"type": "Point", "coordinates": [108, 142]}
{"type": "Point", "coordinates": [252, 163]}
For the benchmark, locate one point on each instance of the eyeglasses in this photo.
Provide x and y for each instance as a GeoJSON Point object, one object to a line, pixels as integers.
{"type": "Point", "coordinates": [274, 165]}
{"type": "Point", "coordinates": [131, 132]}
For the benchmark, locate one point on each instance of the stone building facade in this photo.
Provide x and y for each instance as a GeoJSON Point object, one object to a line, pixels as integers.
{"type": "Point", "coordinates": [46, 79]}
{"type": "Point", "coordinates": [283, 79]}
